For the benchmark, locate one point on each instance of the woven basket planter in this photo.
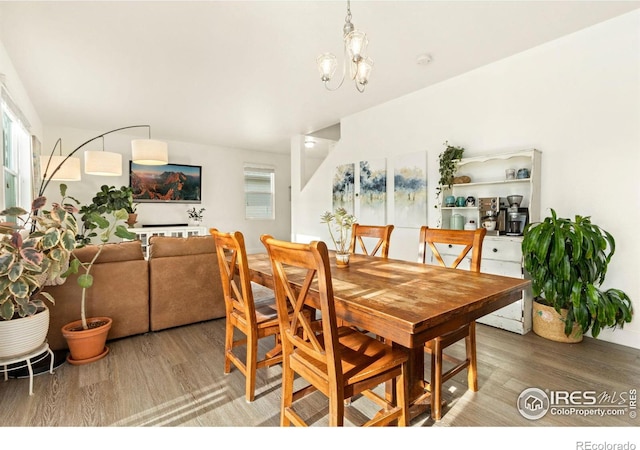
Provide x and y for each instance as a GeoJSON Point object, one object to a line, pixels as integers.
{"type": "Point", "coordinates": [548, 324]}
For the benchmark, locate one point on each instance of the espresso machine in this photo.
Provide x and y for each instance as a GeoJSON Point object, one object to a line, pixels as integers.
{"type": "Point", "coordinates": [493, 209]}
{"type": "Point", "coordinates": [517, 217]}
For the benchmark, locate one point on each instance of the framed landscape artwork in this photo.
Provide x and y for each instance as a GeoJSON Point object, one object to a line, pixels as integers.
{"type": "Point", "coordinates": [373, 192]}
{"type": "Point", "coordinates": [344, 187]}
{"type": "Point", "coordinates": [177, 183]}
{"type": "Point", "coordinates": [410, 190]}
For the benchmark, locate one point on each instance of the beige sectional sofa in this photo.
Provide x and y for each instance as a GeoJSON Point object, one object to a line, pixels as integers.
{"type": "Point", "coordinates": [178, 285]}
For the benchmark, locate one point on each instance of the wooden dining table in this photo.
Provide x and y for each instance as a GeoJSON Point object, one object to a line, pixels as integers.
{"type": "Point", "coordinates": [407, 303]}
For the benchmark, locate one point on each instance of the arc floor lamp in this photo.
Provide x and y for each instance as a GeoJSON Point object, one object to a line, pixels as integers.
{"type": "Point", "coordinates": [67, 168]}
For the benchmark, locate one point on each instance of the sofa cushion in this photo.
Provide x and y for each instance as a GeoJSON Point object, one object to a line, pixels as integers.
{"type": "Point", "coordinates": [184, 281]}
{"type": "Point", "coordinates": [166, 246]}
{"type": "Point", "coordinates": [112, 252]}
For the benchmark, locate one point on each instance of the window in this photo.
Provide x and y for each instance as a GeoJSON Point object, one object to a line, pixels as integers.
{"type": "Point", "coordinates": [16, 156]}
{"type": "Point", "coordinates": [259, 189]}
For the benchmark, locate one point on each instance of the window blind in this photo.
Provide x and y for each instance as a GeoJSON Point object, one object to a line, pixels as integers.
{"type": "Point", "coordinates": [259, 192]}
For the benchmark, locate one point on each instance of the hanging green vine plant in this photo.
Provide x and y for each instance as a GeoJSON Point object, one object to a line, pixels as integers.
{"type": "Point", "coordinates": [448, 165]}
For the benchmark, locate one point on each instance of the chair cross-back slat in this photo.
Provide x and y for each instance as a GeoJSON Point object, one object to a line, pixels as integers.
{"type": "Point", "coordinates": [320, 355]}
{"type": "Point", "coordinates": [472, 241]}
{"type": "Point", "coordinates": [380, 232]}
{"type": "Point", "coordinates": [298, 319]}
{"type": "Point", "coordinates": [242, 313]}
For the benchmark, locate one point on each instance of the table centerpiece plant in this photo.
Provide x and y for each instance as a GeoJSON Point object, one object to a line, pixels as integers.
{"type": "Point", "coordinates": [340, 224]}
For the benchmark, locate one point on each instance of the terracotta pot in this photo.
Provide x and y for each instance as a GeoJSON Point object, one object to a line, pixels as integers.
{"type": "Point", "coordinates": [87, 346]}
{"type": "Point", "coordinates": [550, 325]}
{"type": "Point", "coordinates": [133, 218]}
{"type": "Point", "coordinates": [19, 336]}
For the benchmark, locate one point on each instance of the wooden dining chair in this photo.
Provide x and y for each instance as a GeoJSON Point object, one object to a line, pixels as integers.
{"type": "Point", "coordinates": [466, 241]}
{"type": "Point", "coordinates": [340, 362]}
{"type": "Point", "coordinates": [254, 319]}
{"type": "Point", "coordinates": [362, 233]}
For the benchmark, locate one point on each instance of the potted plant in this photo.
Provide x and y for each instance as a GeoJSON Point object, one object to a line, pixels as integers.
{"type": "Point", "coordinates": [106, 201]}
{"type": "Point", "coordinates": [86, 337]}
{"type": "Point", "coordinates": [341, 222]}
{"type": "Point", "coordinates": [35, 248]}
{"type": "Point", "coordinates": [195, 215]}
{"type": "Point", "coordinates": [567, 262]}
{"type": "Point", "coordinates": [448, 160]}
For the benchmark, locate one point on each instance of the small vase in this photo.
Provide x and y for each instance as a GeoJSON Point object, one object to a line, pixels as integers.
{"type": "Point", "coordinates": [342, 259]}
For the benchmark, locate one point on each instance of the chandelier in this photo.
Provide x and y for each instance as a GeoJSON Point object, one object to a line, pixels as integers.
{"type": "Point", "coordinates": [355, 48]}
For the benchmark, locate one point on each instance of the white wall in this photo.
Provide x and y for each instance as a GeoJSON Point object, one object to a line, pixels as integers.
{"type": "Point", "coordinates": [222, 170]}
{"type": "Point", "coordinates": [577, 99]}
{"type": "Point", "coordinates": [222, 182]}
{"type": "Point", "coordinates": [18, 93]}
{"type": "Point", "coordinates": [13, 86]}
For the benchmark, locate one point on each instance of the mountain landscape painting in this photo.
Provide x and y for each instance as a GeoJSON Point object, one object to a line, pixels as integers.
{"type": "Point", "coordinates": [167, 183]}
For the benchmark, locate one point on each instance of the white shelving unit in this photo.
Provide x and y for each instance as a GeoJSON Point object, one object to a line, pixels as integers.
{"type": "Point", "coordinates": [143, 234]}
{"type": "Point", "coordinates": [488, 179]}
{"type": "Point", "coordinates": [501, 255]}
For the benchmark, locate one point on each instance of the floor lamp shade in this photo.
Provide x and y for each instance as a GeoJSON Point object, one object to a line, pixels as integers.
{"type": "Point", "coordinates": [149, 152]}
{"type": "Point", "coordinates": [69, 171]}
{"type": "Point", "coordinates": [102, 163]}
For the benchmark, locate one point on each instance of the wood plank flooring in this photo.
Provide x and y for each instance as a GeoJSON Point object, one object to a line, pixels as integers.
{"type": "Point", "coordinates": [175, 378]}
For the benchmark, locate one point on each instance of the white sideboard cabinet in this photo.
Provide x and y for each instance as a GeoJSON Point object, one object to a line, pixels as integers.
{"type": "Point", "coordinates": [501, 254]}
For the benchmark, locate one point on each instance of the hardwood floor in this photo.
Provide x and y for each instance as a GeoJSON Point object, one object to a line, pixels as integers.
{"type": "Point", "coordinates": [175, 378]}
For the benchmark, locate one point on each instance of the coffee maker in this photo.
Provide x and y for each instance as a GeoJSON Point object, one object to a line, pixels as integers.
{"type": "Point", "coordinates": [494, 209]}
{"type": "Point", "coordinates": [517, 218]}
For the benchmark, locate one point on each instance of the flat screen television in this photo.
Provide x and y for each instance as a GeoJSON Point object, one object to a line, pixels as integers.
{"type": "Point", "coordinates": [171, 183]}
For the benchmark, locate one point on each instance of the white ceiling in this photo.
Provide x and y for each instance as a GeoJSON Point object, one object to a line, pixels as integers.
{"type": "Point", "coordinates": [242, 73]}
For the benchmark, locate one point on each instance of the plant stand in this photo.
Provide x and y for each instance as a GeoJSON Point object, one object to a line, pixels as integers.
{"type": "Point", "coordinates": [28, 359]}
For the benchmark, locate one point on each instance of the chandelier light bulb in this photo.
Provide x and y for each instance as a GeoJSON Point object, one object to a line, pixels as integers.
{"type": "Point", "coordinates": [327, 63]}
{"type": "Point", "coordinates": [356, 43]}
{"type": "Point", "coordinates": [364, 70]}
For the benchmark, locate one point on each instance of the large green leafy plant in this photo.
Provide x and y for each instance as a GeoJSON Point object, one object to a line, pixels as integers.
{"type": "Point", "coordinates": [106, 201]}
{"type": "Point", "coordinates": [567, 261]}
{"type": "Point", "coordinates": [35, 248]}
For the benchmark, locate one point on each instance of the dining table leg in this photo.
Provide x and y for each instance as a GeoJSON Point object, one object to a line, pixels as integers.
{"type": "Point", "coordinates": [419, 395]}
